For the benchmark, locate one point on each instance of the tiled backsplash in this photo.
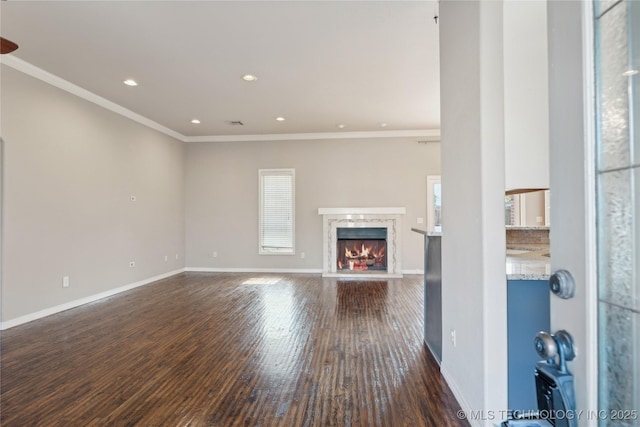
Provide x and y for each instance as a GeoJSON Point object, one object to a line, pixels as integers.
{"type": "Point", "coordinates": [528, 235]}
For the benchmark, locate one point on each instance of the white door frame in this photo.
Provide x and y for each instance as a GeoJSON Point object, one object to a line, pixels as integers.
{"type": "Point", "coordinates": [572, 173]}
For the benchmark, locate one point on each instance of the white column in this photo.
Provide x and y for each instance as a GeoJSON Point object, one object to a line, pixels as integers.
{"type": "Point", "coordinates": [473, 240]}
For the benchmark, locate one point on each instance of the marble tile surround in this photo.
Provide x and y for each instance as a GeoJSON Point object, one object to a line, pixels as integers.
{"type": "Point", "coordinates": [389, 218]}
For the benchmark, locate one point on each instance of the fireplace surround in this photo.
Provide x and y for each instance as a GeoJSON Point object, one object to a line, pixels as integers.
{"type": "Point", "coordinates": [389, 219]}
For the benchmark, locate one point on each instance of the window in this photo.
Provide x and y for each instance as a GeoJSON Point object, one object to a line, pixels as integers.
{"type": "Point", "coordinates": [277, 211]}
{"type": "Point", "coordinates": [527, 209]}
{"type": "Point", "coordinates": [512, 209]}
{"type": "Point", "coordinates": [434, 204]}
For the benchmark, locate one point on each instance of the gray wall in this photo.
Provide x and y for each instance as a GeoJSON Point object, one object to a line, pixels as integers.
{"type": "Point", "coordinates": [534, 205]}
{"type": "Point", "coordinates": [69, 170]}
{"type": "Point", "coordinates": [222, 194]}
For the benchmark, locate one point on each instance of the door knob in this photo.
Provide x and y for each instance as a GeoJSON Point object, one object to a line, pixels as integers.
{"type": "Point", "coordinates": [549, 346]}
{"type": "Point", "coordinates": [562, 284]}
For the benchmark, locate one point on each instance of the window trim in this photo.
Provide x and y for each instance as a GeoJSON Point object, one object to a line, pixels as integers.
{"type": "Point", "coordinates": [282, 171]}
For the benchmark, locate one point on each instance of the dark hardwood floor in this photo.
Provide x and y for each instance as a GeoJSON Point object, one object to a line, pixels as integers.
{"type": "Point", "coordinates": [222, 349]}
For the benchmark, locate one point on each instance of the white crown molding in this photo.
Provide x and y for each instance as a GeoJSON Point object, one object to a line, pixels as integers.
{"type": "Point", "coordinates": [76, 303]}
{"type": "Point", "coordinates": [60, 83]}
{"type": "Point", "coordinates": [431, 135]}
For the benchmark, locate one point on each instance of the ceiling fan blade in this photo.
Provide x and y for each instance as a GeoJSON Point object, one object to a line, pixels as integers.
{"type": "Point", "coordinates": [7, 46]}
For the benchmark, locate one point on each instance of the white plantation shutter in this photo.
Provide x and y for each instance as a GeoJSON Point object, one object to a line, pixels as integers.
{"type": "Point", "coordinates": [277, 211]}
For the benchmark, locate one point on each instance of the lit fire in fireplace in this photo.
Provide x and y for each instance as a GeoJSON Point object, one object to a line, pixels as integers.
{"type": "Point", "coordinates": [362, 255]}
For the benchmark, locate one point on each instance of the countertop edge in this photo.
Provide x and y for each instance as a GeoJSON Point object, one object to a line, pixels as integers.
{"type": "Point", "coordinates": [527, 227]}
{"type": "Point", "coordinates": [517, 276]}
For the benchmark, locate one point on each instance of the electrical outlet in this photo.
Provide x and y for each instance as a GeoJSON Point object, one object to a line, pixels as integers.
{"type": "Point", "coordinates": [453, 337]}
{"type": "Point", "coordinates": [420, 220]}
{"type": "Point", "coordinates": [65, 282]}
{"type": "Point", "coordinates": [177, 256]}
{"type": "Point", "coordinates": [214, 254]}
{"type": "Point", "coordinates": [132, 264]}
{"type": "Point", "coordinates": [166, 258]}
{"type": "Point", "coordinates": [134, 198]}
{"type": "Point", "coordinates": [302, 255]}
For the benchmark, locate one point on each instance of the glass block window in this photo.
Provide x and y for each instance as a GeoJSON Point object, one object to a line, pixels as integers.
{"type": "Point", "coordinates": [617, 65]}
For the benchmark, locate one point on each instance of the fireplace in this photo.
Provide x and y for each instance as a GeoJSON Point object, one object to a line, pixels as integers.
{"type": "Point", "coordinates": [361, 249]}
{"type": "Point", "coordinates": [362, 242]}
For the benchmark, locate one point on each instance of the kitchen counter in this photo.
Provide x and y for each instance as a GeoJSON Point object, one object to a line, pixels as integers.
{"type": "Point", "coordinates": [525, 261]}
{"type": "Point", "coordinates": [427, 233]}
{"type": "Point", "coordinates": [528, 262]}
{"type": "Point", "coordinates": [527, 227]}
{"type": "Point", "coordinates": [519, 269]}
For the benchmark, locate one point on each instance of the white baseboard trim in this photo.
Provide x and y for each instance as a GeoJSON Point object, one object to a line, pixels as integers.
{"type": "Point", "coordinates": [253, 270]}
{"type": "Point", "coordinates": [278, 270]}
{"type": "Point", "coordinates": [361, 275]}
{"type": "Point", "coordinates": [76, 303]}
{"type": "Point", "coordinates": [458, 395]}
{"type": "Point", "coordinates": [420, 272]}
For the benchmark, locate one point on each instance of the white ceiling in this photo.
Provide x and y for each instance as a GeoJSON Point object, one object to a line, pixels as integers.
{"type": "Point", "coordinates": [318, 63]}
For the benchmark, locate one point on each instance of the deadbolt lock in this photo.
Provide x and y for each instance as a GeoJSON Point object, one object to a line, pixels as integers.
{"type": "Point", "coordinates": [562, 284]}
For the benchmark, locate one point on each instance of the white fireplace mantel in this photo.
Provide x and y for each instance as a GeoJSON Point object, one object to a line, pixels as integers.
{"type": "Point", "coordinates": [362, 211]}
{"type": "Point", "coordinates": [389, 218]}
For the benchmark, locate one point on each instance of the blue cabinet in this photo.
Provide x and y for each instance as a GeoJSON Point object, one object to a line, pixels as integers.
{"type": "Point", "coordinates": [527, 314]}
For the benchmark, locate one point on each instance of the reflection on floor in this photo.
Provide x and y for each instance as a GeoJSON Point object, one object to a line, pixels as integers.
{"type": "Point", "coordinates": [223, 349]}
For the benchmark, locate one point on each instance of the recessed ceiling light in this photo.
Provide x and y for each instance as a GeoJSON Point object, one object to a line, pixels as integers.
{"type": "Point", "coordinates": [341, 126]}
{"type": "Point", "coordinates": [195, 121]}
{"type": "Point", "coordinates": [280, 119]}
{"type": "Point", "coordinates": [630, 73]}
{"type": "Point", "coordinates": [130, 82]}
{"type": "Point", "coordinates": [383, 125]}
{"type": "Point", "coordinates": [249, 78]}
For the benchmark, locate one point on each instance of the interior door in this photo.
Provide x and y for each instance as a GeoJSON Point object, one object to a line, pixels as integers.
{"type": "Point", "coordinates": [572, 183]}
{"type": "Point", "coordinates": [594, 58]}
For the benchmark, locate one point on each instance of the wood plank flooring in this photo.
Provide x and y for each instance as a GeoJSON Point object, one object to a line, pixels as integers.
{"type": "Point", "coordinates": [222, 349]}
